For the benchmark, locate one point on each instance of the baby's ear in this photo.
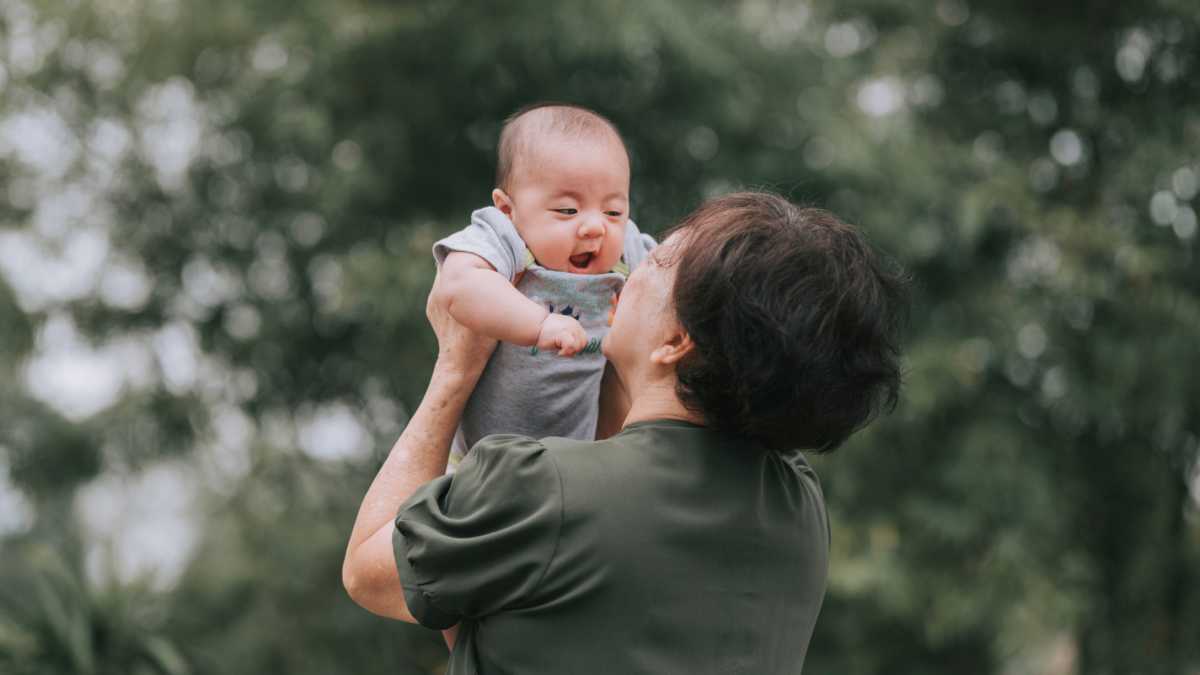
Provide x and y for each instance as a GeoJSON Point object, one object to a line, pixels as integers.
{"type": "Point", "coordinates": [502, 202]}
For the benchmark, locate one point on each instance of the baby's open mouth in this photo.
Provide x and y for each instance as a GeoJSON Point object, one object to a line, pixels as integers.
{"type": "Point", "coordinates": [582, 260]}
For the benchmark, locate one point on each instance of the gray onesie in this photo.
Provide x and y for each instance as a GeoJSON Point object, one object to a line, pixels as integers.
{"type": "Point", "coordinates": [521, 390]}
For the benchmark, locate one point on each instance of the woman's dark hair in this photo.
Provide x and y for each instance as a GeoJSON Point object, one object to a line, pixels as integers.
{"type": "Point", "coordinates": [795, 321]}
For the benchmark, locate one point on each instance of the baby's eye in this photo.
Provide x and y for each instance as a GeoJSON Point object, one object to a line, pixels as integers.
{"type": "Point", "coordinates": [566, 212]}
{"type": "Point", "coordinates": [614, 214]}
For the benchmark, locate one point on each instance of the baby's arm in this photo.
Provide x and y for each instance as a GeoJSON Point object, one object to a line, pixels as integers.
{"type": "Point", "coordinates": [481, 299]}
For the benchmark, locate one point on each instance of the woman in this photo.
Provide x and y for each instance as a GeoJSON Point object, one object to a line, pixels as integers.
{"type": "Point", "coordinates": [695, 539]}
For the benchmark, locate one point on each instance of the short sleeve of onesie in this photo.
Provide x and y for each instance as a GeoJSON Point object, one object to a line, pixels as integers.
{"type": "Point", "coordinates": [480, 540]}
{"type": "Point", "coordinates": [637, 246]}
{"type": "Point", "coordinates": [491, 236]}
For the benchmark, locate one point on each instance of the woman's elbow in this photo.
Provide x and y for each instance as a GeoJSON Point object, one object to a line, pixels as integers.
{"type": "Point", "coordinates": [373, 594]}
{"type": "Point", "coordinates": [352, 581]}
{"type": "Point", "coordinates": [358, 582]}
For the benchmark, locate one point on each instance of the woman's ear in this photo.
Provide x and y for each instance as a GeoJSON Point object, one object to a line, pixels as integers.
{"type": "Point", "coordinates": [502, 201]}
{"type": "Point", "coordinates": [678, 345]}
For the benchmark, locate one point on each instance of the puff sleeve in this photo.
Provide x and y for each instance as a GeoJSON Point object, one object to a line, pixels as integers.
{"type": "Point", "coordinates": [478, 541]}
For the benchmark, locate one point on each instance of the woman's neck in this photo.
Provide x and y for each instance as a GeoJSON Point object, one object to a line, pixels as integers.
{"type": "Point", "coordinates": [658, 401]}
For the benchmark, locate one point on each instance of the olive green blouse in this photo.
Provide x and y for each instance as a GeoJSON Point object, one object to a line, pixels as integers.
{"type": "Point", "coordinates": [668, 548]}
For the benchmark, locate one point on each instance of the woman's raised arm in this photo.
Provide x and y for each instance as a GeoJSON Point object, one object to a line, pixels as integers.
{"type": "Point", "coordinates": [369, 570]}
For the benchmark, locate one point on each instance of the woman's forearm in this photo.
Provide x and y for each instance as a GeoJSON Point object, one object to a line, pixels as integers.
{"type": "Point", "coordinates": [418, 456]}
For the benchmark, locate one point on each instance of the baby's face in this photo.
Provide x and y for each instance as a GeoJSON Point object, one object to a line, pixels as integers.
{"type": "Point", "coordinates": [570, 203]}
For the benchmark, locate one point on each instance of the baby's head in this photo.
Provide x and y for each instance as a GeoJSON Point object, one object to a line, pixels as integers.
{"type": "Point", "coordinates": [563, 179]}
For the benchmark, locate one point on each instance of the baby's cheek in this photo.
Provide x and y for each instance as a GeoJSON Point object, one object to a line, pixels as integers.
{"type": "Point", "coordinates": [614, 246]}
{"type": "Point", "coordinates": [610, 259]}
{"type": "Point", "coordinates": [550, 251]}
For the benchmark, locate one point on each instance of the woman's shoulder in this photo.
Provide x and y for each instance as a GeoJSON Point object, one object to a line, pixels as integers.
{"type": "Point", "coordinates": [507, 459]}
{"type": "Point", "coordinates": [668, 449]}
{"type": "Point", "coordinates": [515, 452]}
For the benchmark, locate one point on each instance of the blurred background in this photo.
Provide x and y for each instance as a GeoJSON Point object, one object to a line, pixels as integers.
{"type": "Point", "coordinates": [215, 231]}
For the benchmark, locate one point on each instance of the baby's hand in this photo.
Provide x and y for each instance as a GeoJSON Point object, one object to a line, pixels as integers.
{"type": "Point", "coordinates": [563, 333]}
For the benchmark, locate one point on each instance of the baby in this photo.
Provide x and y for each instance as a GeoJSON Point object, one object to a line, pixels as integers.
{"type": "Point", "coordinates": [540, 271]}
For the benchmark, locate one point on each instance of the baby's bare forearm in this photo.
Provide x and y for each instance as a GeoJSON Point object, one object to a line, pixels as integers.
{"type": "Point", "coordinates": [485, 302]}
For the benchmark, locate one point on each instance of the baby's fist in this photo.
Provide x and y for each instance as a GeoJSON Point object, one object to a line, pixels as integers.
{"type": "Point", "coordinates": [563, 333]}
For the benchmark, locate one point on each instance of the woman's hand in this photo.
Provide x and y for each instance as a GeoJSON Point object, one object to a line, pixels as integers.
{"type": "Point", "coordinates": [460, 352]}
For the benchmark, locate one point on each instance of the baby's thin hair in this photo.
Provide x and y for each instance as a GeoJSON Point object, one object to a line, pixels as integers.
{"type": "Point", "coordinates": [522, 129]}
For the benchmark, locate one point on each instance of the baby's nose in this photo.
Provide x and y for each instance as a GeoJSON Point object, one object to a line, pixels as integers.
{"type": "Point", "coordinates": [591, 227]}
